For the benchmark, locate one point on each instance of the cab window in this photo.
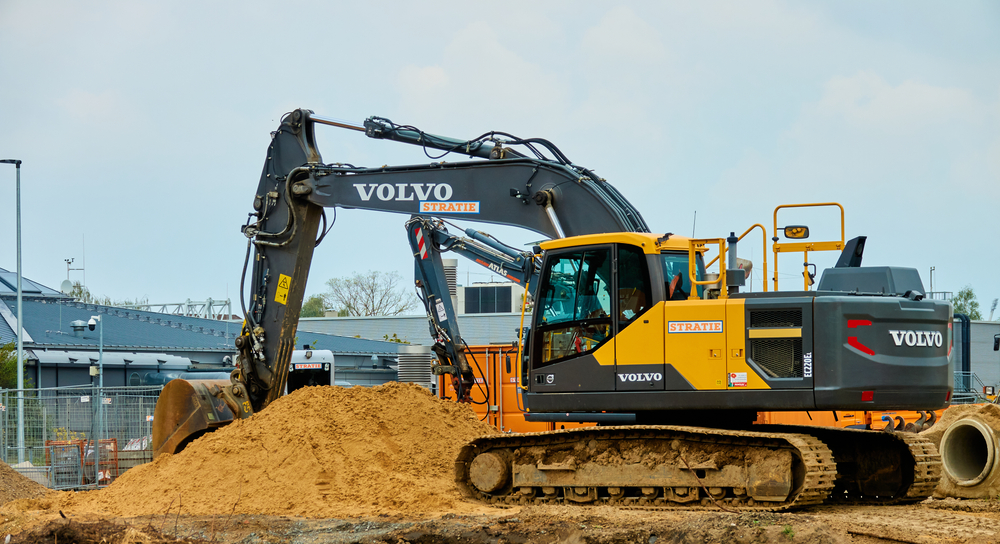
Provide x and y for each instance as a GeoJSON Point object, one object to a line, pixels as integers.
{"type": "Point", "coordinates": [574, 307]}
{"type": "Point", "coordinates": [676, 275]}
{"type": "Point", "coordinates": [634, 293]}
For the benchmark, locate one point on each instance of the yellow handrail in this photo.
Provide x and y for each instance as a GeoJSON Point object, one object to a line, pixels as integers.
{"type": "Point", "coordinates": [804, 247]}
{"type": "Point", "coordinates": [520, 335]}
{"type": "Point", "coordinates": [700, 243]}
{"type": "Point", "coordinates": [763, 244]}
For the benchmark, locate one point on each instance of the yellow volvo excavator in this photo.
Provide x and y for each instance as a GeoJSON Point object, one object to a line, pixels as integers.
{"type": "Point", "coordinates": [627, 330]}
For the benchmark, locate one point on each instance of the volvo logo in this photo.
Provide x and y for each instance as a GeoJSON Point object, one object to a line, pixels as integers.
{"type": "Point", "coordinates": [644, 377]}
{"type": "Point", "coordinates": [403, 191]}
{"type": "Point", "coordinates": [917, 338]}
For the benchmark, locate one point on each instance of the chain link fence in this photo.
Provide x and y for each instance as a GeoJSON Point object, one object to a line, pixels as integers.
{"type": "Point", "coordinates": [63, 425]}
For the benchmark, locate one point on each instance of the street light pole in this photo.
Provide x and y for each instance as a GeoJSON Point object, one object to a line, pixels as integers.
{"type": "Point", "coordinates": [99, 397]}
{"type": "Point", "coordinates": [20, 323]}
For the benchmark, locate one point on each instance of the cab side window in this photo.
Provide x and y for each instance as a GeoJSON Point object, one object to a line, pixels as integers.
{"type": "Point", "coordinates": [676, 275]}
{"type": "Point", "coordinates": [634, 293]}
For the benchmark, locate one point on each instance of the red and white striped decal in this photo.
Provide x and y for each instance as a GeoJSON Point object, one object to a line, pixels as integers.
{"type": "Point", "coordinates": [421, 245]}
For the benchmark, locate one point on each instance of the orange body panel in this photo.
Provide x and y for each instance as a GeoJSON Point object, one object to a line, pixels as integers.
{"type": "Point", "coordinates": [509, 414]}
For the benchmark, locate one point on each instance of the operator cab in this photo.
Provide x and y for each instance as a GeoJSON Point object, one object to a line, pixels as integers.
{"type": "Point", "coordinates": [595, 305]}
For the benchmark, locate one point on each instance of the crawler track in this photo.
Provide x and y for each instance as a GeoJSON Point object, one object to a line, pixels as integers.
{"type": "Point", "coordinates": [649, 466]}
{"type": "Point", "coordinates": [877, 467]}
{"type": "Point", "coordinates": [658, 467]}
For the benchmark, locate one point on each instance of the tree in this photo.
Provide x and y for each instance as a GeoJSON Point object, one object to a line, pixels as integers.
{"type": "Point", "coordinates": [82, 294]}
{"type": "Point", "coordinates": [8, 366]}
{"type": "Point", "coordinates": [965, 303]}
{"type": "Point", "coordinates": [314, 306]}
{"type": "Point", "coordinates": [371, 293]}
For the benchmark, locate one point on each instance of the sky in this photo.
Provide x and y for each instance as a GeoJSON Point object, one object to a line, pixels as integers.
{"type": "Point", "coordinates": [143, 125]}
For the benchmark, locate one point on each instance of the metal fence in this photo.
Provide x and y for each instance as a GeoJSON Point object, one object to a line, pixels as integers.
{"type": "Point", "coordinates": [968, 389]}
{"type": "Point", "coordinates": [77, 436]}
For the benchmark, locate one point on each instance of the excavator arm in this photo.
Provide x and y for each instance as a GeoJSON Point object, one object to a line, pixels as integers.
{"type": "Point", "coordinates": [551, 196]}
{"type": "Point", "coordinates": [429, 237]}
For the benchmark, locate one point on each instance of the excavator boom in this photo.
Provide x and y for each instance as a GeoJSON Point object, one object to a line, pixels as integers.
{"type": "Point", "coordinates": [539, 194]}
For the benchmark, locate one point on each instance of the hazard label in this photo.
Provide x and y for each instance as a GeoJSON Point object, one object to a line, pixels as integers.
{"type": "Point", "coordinates": [281, 293]}
{"type": "Point", "coordinates": [737, 379]}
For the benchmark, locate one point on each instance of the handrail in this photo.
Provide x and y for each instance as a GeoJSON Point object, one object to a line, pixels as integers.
{"type": "Point", "coordinates": [804, 247]}
{"type": "Point", "coordinates": [763, 244]}
{"type": "Point", "coordinates": [697, 243]}
{"type": "Point", "coordinates": [520, 335]}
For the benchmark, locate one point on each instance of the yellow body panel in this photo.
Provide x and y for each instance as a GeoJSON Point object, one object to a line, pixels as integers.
{"type": "Point", "coordinates": [692, 345]}
{"type": "Point", "coordinates": [736, 362]}
{"type": "Point", "coordinates": [650, 243]}
{"type": "Point", "coordinates": [787, 332]}
{"type": "Point", "coordinates": [605, 354]}
{"type": "Point", "coordinates": [641, 343]}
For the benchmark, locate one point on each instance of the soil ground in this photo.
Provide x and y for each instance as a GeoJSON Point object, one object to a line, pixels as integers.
{"type": "Point", "coordinates": [376, 465]}
{"type": "Point", "coordinates": [931, 522]}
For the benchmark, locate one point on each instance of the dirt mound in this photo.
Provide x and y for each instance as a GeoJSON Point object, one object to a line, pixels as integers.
{"type": "Point", "coordinates": [318, 452]}
{"type": "Point", "coordinates": [14, 485]}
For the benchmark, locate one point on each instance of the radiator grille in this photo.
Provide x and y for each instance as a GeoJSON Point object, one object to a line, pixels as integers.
{"type": "Point", "coordinates": [779, 357]}
{"type": "Point", "coordinates": [776, 318]}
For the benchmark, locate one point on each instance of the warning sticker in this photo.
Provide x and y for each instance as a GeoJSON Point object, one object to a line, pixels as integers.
{"type": "Point", "coordinates": [442, 314]}
{"type": "Point", "coordinates": [737, 379]}
{"type": "Point", "coordinates": [281, 293]}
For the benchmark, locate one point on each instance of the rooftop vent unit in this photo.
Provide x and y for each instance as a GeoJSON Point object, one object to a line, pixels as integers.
{"type": "Point", "coordinates": [78, 327]}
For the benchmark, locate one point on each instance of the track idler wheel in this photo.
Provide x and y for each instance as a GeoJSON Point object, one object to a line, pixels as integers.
{"type": "Point", "coordinates": [489, 472]}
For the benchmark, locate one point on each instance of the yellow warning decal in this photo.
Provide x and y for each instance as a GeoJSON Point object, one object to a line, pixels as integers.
{"type": "Point", "coordinates": [281, 293]}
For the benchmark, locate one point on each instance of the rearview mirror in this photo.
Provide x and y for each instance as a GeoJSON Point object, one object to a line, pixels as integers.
{"type": "Point", "coordinates": [796, 232]}
{"type": "Point", "coordinates": [996, 342]}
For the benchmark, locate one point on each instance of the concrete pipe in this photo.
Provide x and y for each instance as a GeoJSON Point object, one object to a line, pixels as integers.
{"type": "Point", "coordinates": [969, 458]}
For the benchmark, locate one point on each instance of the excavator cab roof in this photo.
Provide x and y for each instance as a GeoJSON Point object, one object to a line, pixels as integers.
{"type": "Point", "coordinates": [649, 242]}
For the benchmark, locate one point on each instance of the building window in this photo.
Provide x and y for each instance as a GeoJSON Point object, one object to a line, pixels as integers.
{"type": "Point", "coordinates": [490, 299]}
{"type": "Point", "coordinates": [134, 379]}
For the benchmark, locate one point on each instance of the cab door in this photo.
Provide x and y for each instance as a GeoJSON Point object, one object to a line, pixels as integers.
{"type": "Point", "coordinates": [573, 342]}
{"type": "Point", "coordinates": [639, 322]}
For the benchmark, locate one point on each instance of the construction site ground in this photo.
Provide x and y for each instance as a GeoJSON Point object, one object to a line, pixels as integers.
{"type": "Point", "coordinates": [376, 465]}
{"type": "Point", "coordinates": [935, 521]}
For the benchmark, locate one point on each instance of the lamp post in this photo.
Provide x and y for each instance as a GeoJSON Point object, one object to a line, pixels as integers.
{"type": "Point", "coordinates": [94, 320]}
{"type": "Point", "coordinates": [20, 324]}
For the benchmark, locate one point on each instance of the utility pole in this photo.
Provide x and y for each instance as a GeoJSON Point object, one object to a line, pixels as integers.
{"type": "Point", "coordinates": [20, 322]}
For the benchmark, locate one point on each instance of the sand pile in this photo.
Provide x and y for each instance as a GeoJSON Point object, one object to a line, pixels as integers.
{"type": "Point", "coordinates": [14, 485]}
{"type": "Point", "coordinates": [318, 452]}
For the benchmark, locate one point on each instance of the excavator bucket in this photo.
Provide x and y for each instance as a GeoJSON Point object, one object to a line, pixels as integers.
{"type": "Point", "coordinates": [186, 410]}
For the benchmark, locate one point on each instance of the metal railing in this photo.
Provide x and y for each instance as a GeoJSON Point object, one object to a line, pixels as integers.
{"type": "Point", "coordinates": [968, 389]}
{"type": "Point", "coordinates": [62, 426]}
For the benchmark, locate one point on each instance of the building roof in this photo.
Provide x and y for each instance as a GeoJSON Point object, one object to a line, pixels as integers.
{"type": "Point", "coordinates": [48, 323]}
{"type": "Point", "coordinates": [48, 316]}
{"type": "Point", "coordinates": [8, 286]}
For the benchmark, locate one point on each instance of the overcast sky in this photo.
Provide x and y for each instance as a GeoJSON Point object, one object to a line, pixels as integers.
{"type": "Point", "coordinates": [143, 125]}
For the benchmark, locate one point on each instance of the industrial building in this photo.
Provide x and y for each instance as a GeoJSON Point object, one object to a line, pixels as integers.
{"type": "Point", "coordinates": [149, 348]}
